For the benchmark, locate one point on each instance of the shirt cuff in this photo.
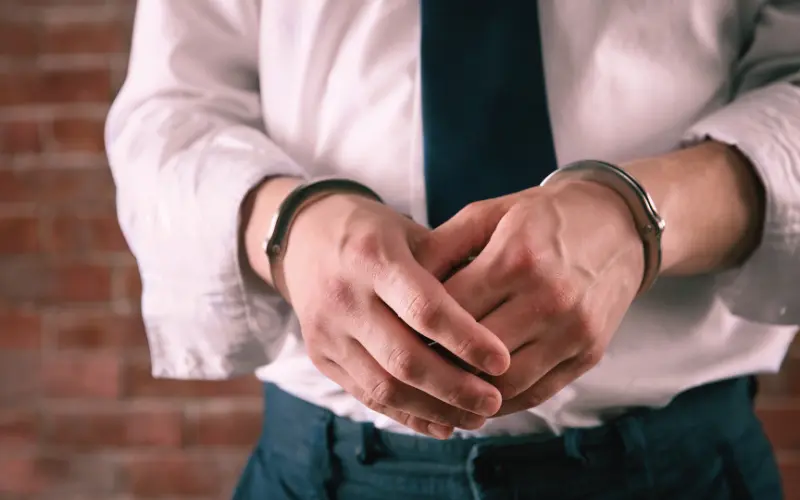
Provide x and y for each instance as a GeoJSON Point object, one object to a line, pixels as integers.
{"type": "Point", "coordinates": [765, 126]}
{"type": "Point", "coordinates": [207, 315]}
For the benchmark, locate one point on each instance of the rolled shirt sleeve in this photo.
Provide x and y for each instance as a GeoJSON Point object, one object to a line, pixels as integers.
{"type": "Point", "coordinates": [763, 122]}
{"type": "Point", "coordinates": [186, 143]}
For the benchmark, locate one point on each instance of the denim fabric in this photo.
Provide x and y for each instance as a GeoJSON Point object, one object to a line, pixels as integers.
{"type": "Point", "coordinates": [707, 444]}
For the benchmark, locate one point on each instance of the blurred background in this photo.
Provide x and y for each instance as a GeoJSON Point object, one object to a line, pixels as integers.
{"type": "Point", "coordinates": [80, 416]}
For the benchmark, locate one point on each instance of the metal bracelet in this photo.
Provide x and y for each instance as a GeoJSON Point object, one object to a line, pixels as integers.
{"type": "Point", "coordinates": [299, 198]}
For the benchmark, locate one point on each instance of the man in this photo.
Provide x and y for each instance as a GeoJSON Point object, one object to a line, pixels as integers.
{"type": "Point", "coordinates": [436, 289]}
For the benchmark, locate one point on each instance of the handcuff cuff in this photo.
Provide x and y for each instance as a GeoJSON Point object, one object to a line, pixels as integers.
{"type": "Point", "coordinates": [649, 224]}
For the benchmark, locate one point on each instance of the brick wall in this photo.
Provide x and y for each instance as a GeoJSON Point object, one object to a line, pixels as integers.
{"type": "Point", "coordinates": [80, 417]}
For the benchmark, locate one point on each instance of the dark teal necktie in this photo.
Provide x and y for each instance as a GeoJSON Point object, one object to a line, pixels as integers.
{"type": "Point", "coordinates": [486, 125]}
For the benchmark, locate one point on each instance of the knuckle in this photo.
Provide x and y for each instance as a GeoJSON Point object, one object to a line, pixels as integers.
{"type": "Point", "coordinates": [591, 356]}
{"type": "Point", "coordinates": [424, 313]}
{"type": "Point", "coordinates": [314, 325]}
{"type": "Point", "coordinates": [401, 417]}
{"type": "Point", "coordinates": [519, 259]}
{"type": "Point", "coordinates": [473, 210]}
{"type": "Point", "coordinates": [384, 391]}
{"type": "Point", "coordinates": [318, 359]}
{"type": "Point", "coordinates": [585, 331]}
{"type": "Point", "coordinates": [560, 299]}
{"type": "Point", "coordinates": [340, 294]}
{"type": "Point", "coordinates": [465, 347]}
{"type": "Point", "coordinates": [534, 397]}
{"type": "Point", "coordinates": [508, 390]}
{"type": "Point", "coordinates": [400, 363]}
{"type": "Point", "coordinates": [365, 250]}
{"type": "Point", "coordinates": [417, 424]}
{"type": "Point", "coordinates": [347, 351]}
{"type": "Point", "coordinates": [455, 396]}
{"type": "Point", "coordinates": [371, 403]}
{"type": "Point", "coordinates": [453, 418]}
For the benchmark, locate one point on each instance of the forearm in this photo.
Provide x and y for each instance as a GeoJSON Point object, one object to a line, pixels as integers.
{"type": "Point", "coordinates": [712, 202]}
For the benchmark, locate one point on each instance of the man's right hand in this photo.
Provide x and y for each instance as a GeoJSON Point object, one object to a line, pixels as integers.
{"type": "Point", "coordinates": [361, 297]}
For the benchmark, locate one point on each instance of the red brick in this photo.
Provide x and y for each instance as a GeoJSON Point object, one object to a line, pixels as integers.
{"type": "Point", "coordinates": [107, 235]}
{"type": "Point", "coordinates": [20, 137]}
{"type": "Point", "coordinates": [784, 383]}
{"type": "Point", "coordinates": [84, 38]}
{"type": "Point", "coordinates": [133, 284]}
{"type": "Point", "coordinates": [55, 86]}
{"type": "Point", "coordinates": [41, 282]}
{"type": "Point", "coordinates": [59, 188]}
{"type": "Point", "coordinates": [84, 235]}
{"type": "Point", "coordinates": [18, 39]}
{"type": "Point", "coordinates": [78, 135]}
{"type": "Point", "coordinates": [780, 422]}
{"type": "Point", "coordinates": [18, 428]}
{"type": "Point", "coordinates": [31, 474]}
{"type": "Point", "coordinates": [75, 3]}
{"type": "Point", "coordinates": [794, 350]}
{"type": "Point", "coordinates": [20, 331]}
{"type": "Point", "coordinates": [178, 475]}
{"type": "Point", "coordinates": [95, 376]}
{"type": "Point", "coordinates": [20, 378]}
{"type": "Point", "coordinates": [139, 383]}
{"type": "Point", "coordinates": [99, 331]}
{"type": "Point", "coordinates": [82, 283]}
{"type": "Point", "coordinates": [19, 235]}
{"type": "Point", "coordinates": [82, 430]}
{"type": "Point", "coordinates": [237, 427]}
{"type": "Point", "coordinates": [17, 186]}
{"type": "Point", "coordinates": [790, 472]}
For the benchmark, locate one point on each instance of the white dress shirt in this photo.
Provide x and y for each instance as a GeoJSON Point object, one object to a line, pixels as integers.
{"type": "Point", "coordinates": [223, 93]}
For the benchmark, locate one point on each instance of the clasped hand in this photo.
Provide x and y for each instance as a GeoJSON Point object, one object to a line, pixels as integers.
{"type": "Point", "coordinates": [556, 269]}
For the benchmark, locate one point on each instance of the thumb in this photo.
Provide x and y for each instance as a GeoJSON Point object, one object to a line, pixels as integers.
{"type": "Point", "coordinates": [453, 244]}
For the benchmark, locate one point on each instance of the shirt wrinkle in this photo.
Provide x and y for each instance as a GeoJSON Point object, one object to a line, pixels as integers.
{"type": "Point", "coordinates": [220, 95]}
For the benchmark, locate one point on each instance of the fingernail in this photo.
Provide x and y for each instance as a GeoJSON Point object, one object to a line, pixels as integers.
{"type": "Point", "coordinates": [495, 364]}
{"type": "Point", "coordinates": [472, 422]}
{"type": "Point", "coordinates": [488, 405]}
{"type": "Point", "coordinates": [440, 431]}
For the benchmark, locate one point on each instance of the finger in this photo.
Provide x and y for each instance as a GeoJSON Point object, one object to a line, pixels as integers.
{"type": "Point", "coordinates": [382, 387]}
{"type": "Point", "coordinates": [516, 322]}
{"type": "Point", "coordinates": [421, 301]}
{"type": "Point", "coordinates": [403, 357]}
{"type": "Point", "coordinates": [341, 377]}
{"type": "Point", "coordinates": [529, 364]}
{"type": "Point", "coordinates": [465, 234]}
{"type": "Point", "coordinates": [546, 387]}
{"type": "Point", "coordinates": [494, 274]}
{"type": "Point", "coordinates": [475, 287]}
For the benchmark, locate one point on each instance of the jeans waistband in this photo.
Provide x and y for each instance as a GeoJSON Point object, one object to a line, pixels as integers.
{"type": "Point", "coordinates": [716, 406]}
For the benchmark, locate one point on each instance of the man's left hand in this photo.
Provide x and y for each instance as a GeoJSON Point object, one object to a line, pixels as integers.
{"type": "Point", "coordinates": [557, 268]}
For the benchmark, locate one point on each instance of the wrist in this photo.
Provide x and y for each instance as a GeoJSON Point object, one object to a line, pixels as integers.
{"type": "Point", "coordinates": [317, 204]}
{"type": "Point", "coordinates": [622, 199]}
{"type": "Point", "coordinates": [714, 203]}
{"type": "Point", "coordinates": [616, 232]}
{"type": "Point", "coordinates": [257, 212]}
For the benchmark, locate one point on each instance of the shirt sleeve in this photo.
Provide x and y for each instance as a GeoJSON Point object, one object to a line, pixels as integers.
{"type": "Point", "coordinates": [763, 122]}
{"type": "Point", "coordinates": [186, 143]}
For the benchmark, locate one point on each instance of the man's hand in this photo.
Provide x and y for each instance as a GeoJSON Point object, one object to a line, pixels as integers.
{"type": "Point", "coordinates": [361, 297]}
{"type": "Point", "coordinates": [557, 270]}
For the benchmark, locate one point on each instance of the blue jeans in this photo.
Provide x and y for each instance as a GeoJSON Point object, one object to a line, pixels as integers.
{"type": "Point", "coordinates": [707, 444]}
